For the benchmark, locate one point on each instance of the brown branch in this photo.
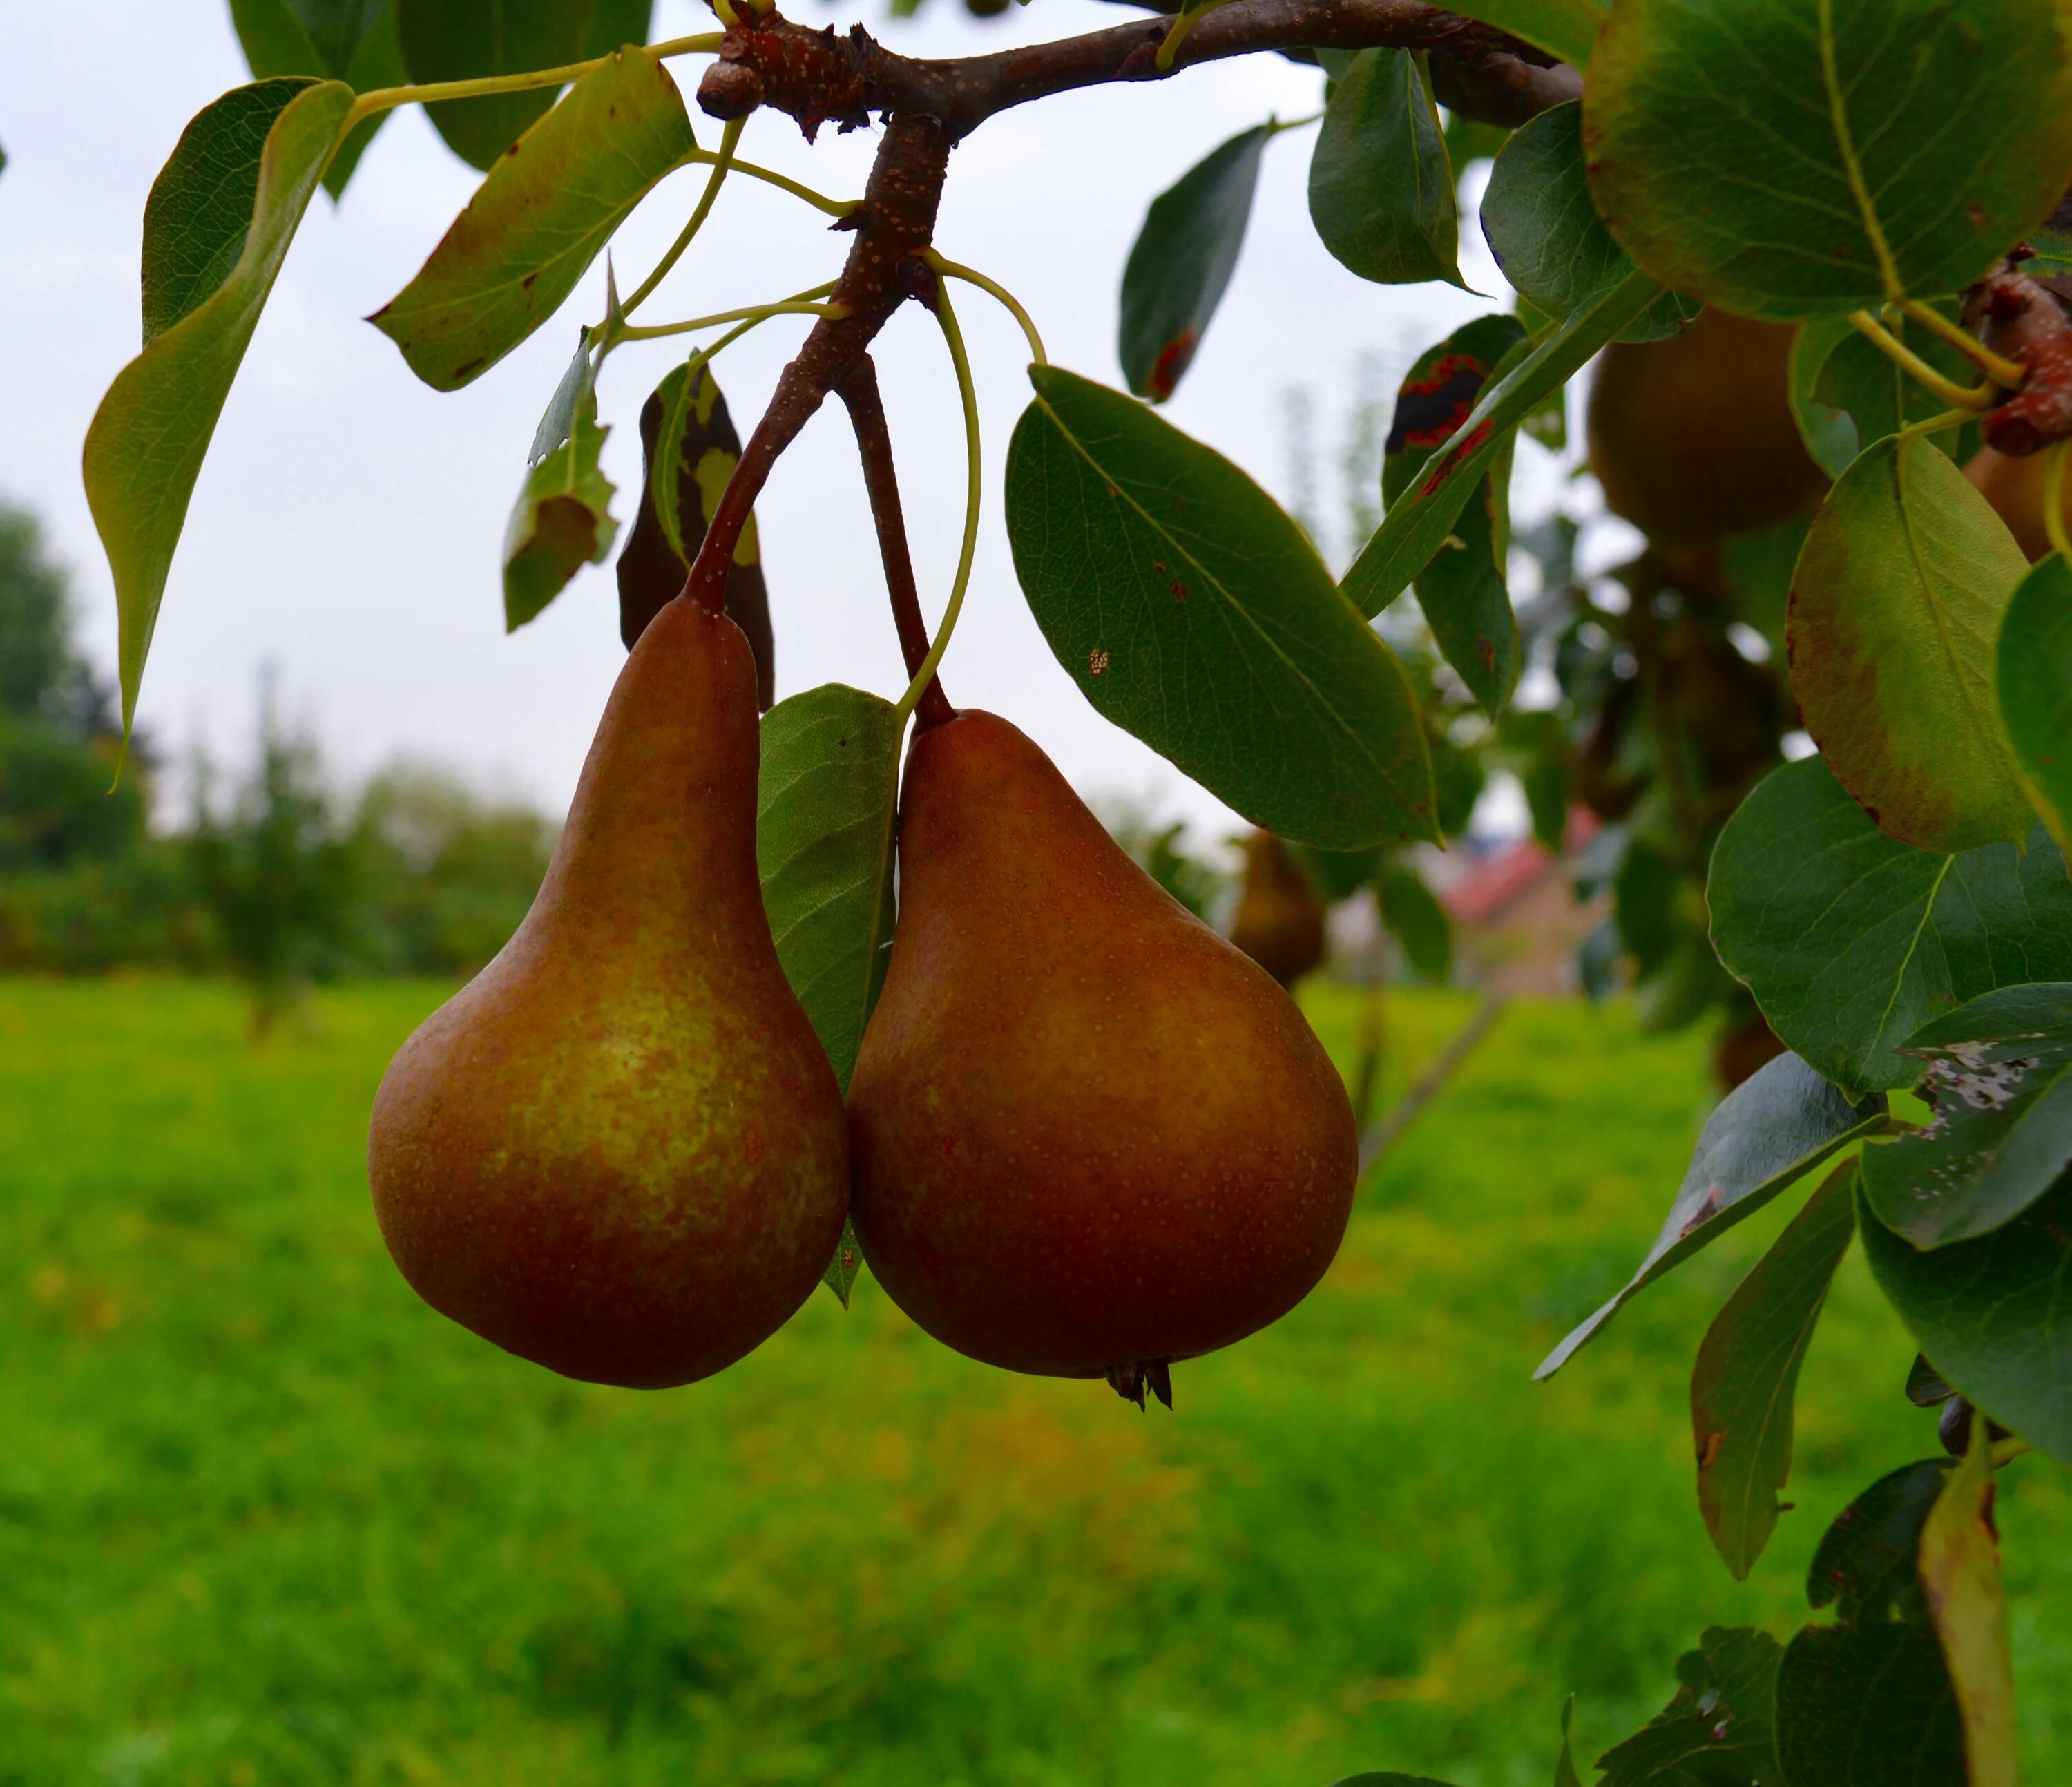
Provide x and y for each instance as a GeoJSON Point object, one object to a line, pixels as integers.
{"type": "Point", "coordinates": [815, 76]}
{"type": "Point", "coordinates": [898, 221]}
{"type": "Point", "coordinates": [873, 441]}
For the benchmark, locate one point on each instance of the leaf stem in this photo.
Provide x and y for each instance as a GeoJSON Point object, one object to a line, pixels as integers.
{"type": "Point", "coordinates": [975, 484]}
{"type": "Point", "coordinates": [729, 137]}
{"type": "Point", "coordinates": [972, 277]}
{"type": "Point", "coordinates": [2054, 499]}
{"type": "Point", "coordinates": [1982, 396]}
{"type": "Point", "coordinates": [384, 99]}
{"type": "Point", "coordinates": [753, 313]}
{"type": "Point", "coordinates": [1935, 425]}
{"type": "Point", "coordinates": [2010, 374]}
{"type": "Point", "coordinates": [820, 201]}
{"type": "Point", "coordinates": [1184, 22]}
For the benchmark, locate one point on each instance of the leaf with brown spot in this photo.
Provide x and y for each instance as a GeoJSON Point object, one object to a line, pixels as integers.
{"type": "Point", "coordinates": [536, 223]}
{"type": "Point", "coordinates": [1896, 608]}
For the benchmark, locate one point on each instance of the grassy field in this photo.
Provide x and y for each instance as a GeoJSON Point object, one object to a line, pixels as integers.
{"type": "Point", "coordinates": [264, 1518]}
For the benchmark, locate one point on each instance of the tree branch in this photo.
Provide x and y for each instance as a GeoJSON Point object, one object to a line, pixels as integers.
{"type": "Point", "coordinates": [874, 440]}
{"type": "Point", "coordinates": [815, 76]}
{"type": "Point", "coordinates": [929, 106]}
{"type": "Point", "coordinates": [898, 221]}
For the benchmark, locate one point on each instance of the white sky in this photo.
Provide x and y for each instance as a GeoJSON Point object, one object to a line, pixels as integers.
{"type": "Point", "coordinates": [347, 525]}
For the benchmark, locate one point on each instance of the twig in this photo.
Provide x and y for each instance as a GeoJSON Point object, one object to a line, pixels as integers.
{"type": "Point", "coordinates": [1407, 1109]}
{"type": "Point", "coordinates": [859, 389]}
{"type": "Point", "coordinates": [817, 77]}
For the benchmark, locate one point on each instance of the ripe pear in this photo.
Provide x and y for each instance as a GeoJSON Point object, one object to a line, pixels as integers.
{"type": "Point", "coordinates": [1693, 438]}
{"type": "Point", "coordinates": [1090, 1135]}
{"type": "Point", "coordinates": [620, 1151]}
{"type": "Point", "coordinates": [1280, 921]}
{"type": "Point", "coordinates": [2017, 488]}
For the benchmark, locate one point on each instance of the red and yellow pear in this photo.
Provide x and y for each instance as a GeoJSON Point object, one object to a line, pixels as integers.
{"type": "Point", "coordinates": [620, 1151]}
{"type": "Point", "coordinates": [1091, 1136]}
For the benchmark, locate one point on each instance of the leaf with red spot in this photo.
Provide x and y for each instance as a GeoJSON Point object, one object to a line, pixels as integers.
{"type": "Point", "coordinates": [1417, 527]}
{"type": "Point", "coordinates": [535, 226]}
{"type": "Point", "coordinates": [1462, 591]}
{"type": "Point", "coordinates": [1181, 263]}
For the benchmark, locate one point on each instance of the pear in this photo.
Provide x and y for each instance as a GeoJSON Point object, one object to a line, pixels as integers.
{"type": "Point", "coordinates": [1280, 921]}
{"type": "Point", "coordinates": [2018, 488]}
{"type": "Point", "coordinates": [1090, 1135]}
{"type": "Point", "coordinates": [1693, 438]}
{"type": "Point", "coordinates": [620, 1151]}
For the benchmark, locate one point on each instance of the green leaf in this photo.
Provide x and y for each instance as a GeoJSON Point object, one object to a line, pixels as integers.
{"type": "Point", "coordinates": [1865, 395]}
{"type": "Point", "coordinates": [1768, 1134]}
{"type": "Point", "coordinates": [1546, 234]}
{"type": "Point", "coordinates": [1788, 160]}
{"type": "Point", "coordinates": [1868, 1707]}
{"type": "Point", "coordinates": [1462, 591]}
{"type": "Point", "coordinates": [1563, 28]}
{"type": "Point", "coordinates": [2000, 1076]}
{"type": "Point", "coordinates": [1564, 1769]}
{"type": "Point", "coordinates": [1960, 1579]}
{"type": "Point", "coordinates": [275, 42]}
{"type": "Point", "coordinates": [145, 448]}
{"type": "Point", "coordinates": [544, 214]}
{"type": "Point", "coordinates": [616, 23]}
{"type": "Point", "coordinates": [1415, 529]}
{"type": "Point", "coordinates": [1534, 747]}
{"type": "Point", "coordinates": [1181, 262]}
{"type": "Point", "coordinates": [562, 522]}
{"type": "Point", "coordinates": [199, 213]}
{"type": "Point", "coordinates": [1747, 1374]}
{"type": "Point", "coordinates": [1851, 941]}
{"type": "Point", "coordinates": [1414, 916]}
{"type": "Point", "coordinates": [1866, 1702]}
{"type": "Point", "coordinates": [1865, 1566]}
{"type": "Point", "coordinates": [1381, 186]}
{"type": "Point", "coordinates": [335, 28]}
{"type": "Point", "coordinates": [846, 1267]}
{"type": "Point", "coordinates": [1194, 614]}
{"type": "Point", "coordinates": [2032, 679]}
{"type": "Point", "coordinates": [826, 804]}
{"type": "Point", "coordinates": [1995, 1314]}
{"type": "Point", "coordinates": [689, 449]}
{"type": "Point", "coordinates": [470, 39]}
{"type": "Point", "coordinates": [1825, 424]}
{"type": "Point", "coordinates": [304, 37]}
{"type": "Point", "coordinates": [1896, 604]}
{"type": "Point", "coordinates": [826, 800]}
{"type": "Point", "coordinates": [1719, 1731]}
{"type": "Point", "coordinates": [1389, 1780]}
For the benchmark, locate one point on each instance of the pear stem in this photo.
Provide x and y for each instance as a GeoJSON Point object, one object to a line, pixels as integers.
{"type": "Point", "coordinates": [974, 490]}
{"type": "Point", "coordinates": [859, 390]}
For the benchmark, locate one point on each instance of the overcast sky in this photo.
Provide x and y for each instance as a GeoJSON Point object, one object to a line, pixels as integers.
{"type": "Point", "coordinates": [347, 525]}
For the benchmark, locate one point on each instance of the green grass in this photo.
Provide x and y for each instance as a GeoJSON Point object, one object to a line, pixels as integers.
{"type": "Point", "coordinates": [264, 1518]}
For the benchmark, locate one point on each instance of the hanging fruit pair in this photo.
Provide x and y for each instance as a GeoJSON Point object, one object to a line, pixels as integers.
{"type": "Point", "coordinates": [1089, 1136]}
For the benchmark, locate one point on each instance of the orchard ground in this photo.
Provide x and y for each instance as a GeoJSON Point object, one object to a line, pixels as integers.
{"type": "Point", "coordinates": [266, 1519]}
